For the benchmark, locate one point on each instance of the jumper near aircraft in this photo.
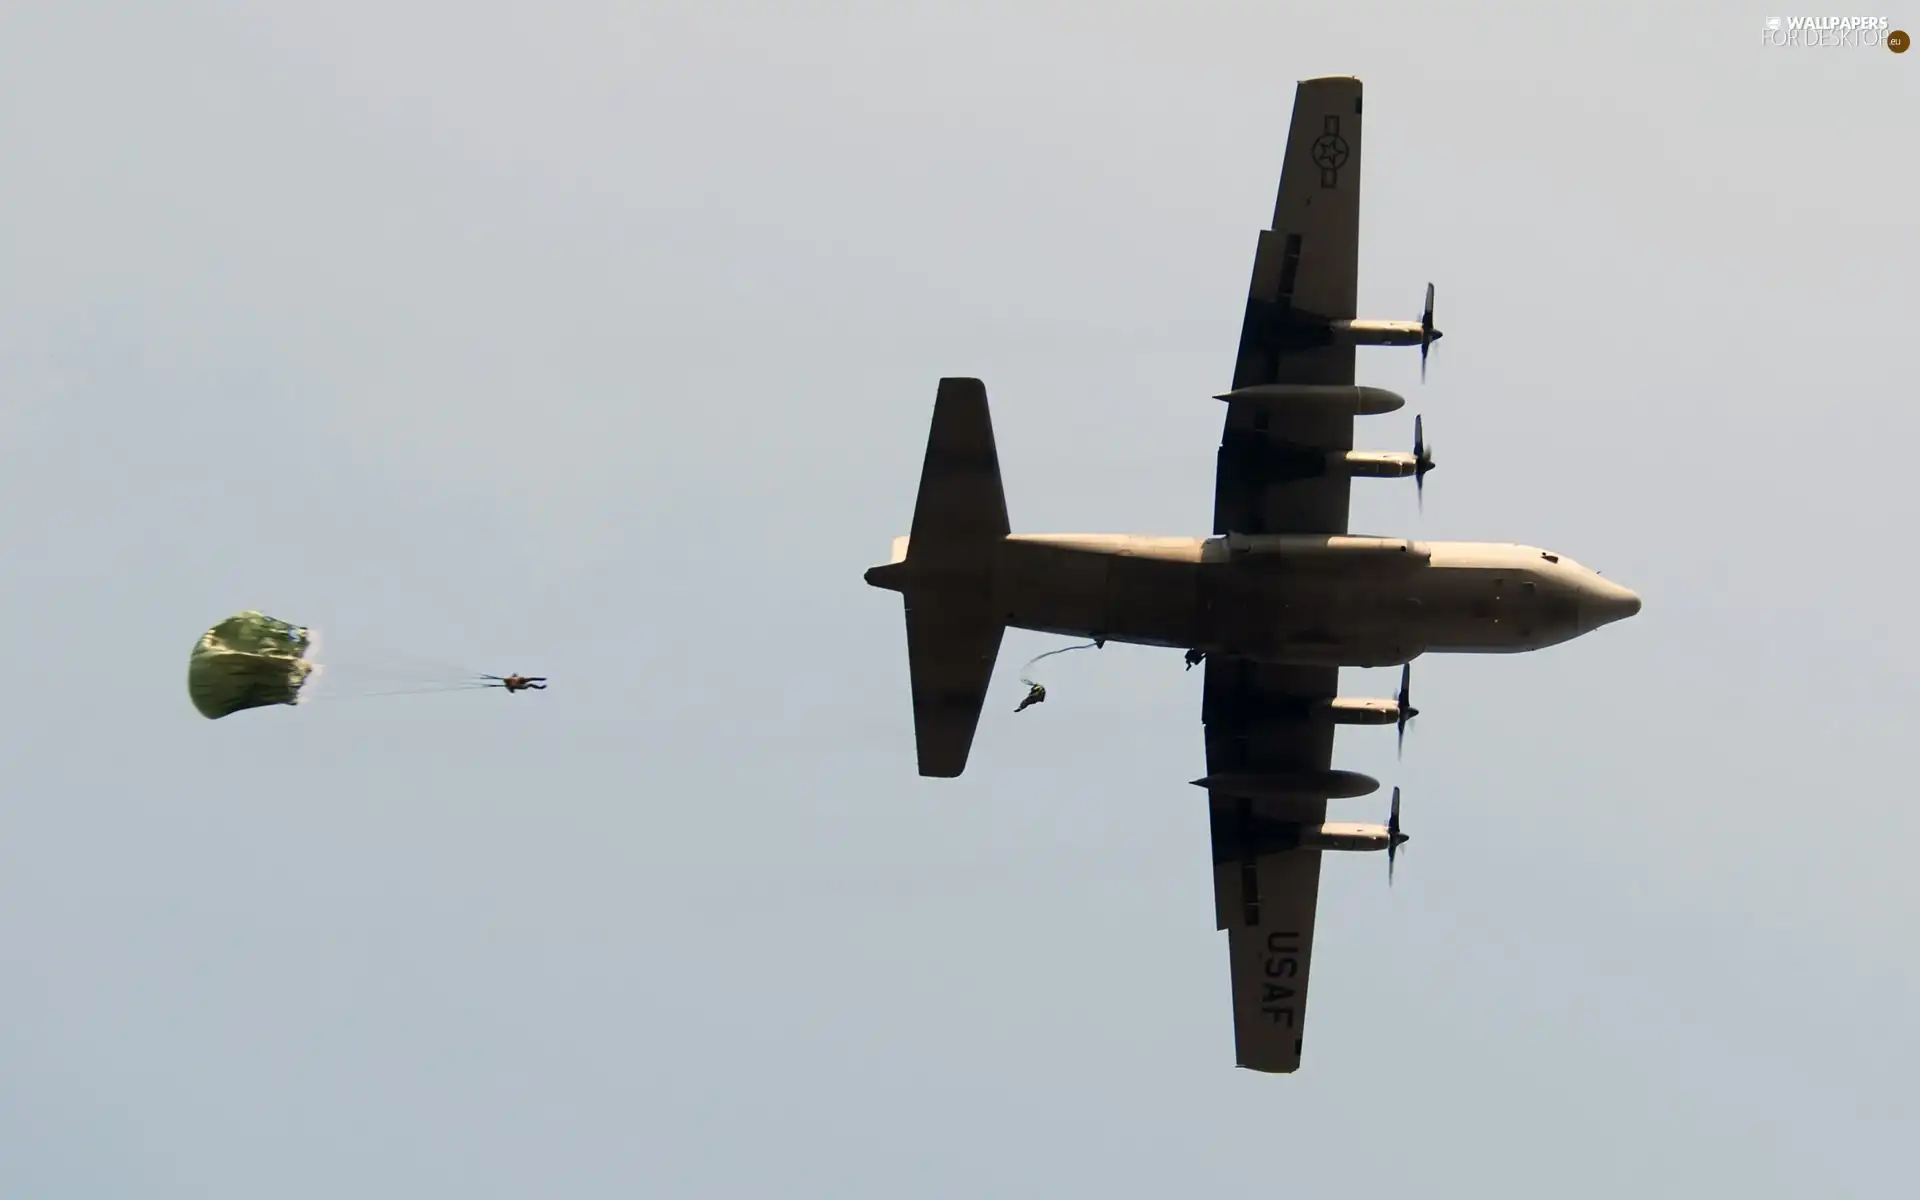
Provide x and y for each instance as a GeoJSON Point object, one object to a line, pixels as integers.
{"type": "Point", "coordinates": [1275, 603]}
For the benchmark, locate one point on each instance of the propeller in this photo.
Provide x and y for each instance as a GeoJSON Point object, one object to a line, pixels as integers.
{"type": "Point", "coordinates": [1405, 700]}
{"type": "Point", "coordinates": [1394, 836]}
{"type": "Point", "coordinates": [1428, 334]}
{"type": "Point", "coordinates": [1422, 462]}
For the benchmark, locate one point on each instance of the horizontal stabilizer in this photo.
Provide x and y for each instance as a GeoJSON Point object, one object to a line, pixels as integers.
{"type": "Point", "coordinates": [961, 505]}
{"type": "Point", "coordinates": [952, 644]}
{"type": "Point", "coordinates": [945, 571]}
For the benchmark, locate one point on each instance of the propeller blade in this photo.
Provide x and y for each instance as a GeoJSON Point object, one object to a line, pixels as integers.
{"type": "Point", "coordinates": [1427, 334]}
{"type": "Point", "coordinates": [1405, 702]}
{"type": "Point", "coordinates": [1394, 837]}
{"type": "Point", "coordinates": [1422, 461]}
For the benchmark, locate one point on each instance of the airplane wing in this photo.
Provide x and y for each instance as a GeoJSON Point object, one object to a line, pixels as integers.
{"type": "Point", "coordinates": [1305, 274]}
{"type": "Point", "coordinates": [1271, 478]}
{"type": "Point", "coordinates": [1260, 721]}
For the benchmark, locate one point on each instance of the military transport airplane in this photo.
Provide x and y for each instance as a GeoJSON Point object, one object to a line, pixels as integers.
{"type": "Point", "coordinates": [1275, 603]}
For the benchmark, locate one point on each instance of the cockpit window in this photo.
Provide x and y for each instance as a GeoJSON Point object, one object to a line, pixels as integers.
{"type": "Point", "coordinates": [1549, 557]}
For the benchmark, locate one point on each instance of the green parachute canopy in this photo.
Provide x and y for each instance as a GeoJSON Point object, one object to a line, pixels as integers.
{"type": "Point", "coordinates": [249, 660]}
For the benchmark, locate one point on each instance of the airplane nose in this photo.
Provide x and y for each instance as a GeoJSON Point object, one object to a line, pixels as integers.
{"type": "Point", "coordinates": [1607, 603]}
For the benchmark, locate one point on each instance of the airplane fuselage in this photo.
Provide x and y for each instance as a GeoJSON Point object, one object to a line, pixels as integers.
{"type": "Point", "coordinates": [1303, 599]}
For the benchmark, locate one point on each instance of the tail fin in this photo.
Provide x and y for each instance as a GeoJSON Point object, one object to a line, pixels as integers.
{"type": "Point", "coordinates": [946, 571]}
{"type": "Point", "coordinates": [962, 507]}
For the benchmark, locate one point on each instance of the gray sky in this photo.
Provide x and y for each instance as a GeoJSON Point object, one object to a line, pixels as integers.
{"type": "Point", "coordinates": [600, 341]}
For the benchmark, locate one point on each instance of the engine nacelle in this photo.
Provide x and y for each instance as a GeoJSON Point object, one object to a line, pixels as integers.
{"type": "Point", "coordinates": [1345, 835]}
{"type": "Point", "coordinates": [1375, 464]}
{"type": "Point", "coordinates": [1353, 710]}
{"type": "Point", "coordinates": [1376, 333]}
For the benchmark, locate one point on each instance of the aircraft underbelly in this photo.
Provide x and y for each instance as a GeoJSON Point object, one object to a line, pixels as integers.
{"type": "Point", "coordinates": [1312, 618]}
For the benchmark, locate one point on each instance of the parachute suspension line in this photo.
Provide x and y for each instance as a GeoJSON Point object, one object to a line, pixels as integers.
{"type": "Point", "coordinates": [397, 672]}
{"type": "Point", "coordinates": [430, 690]}
{"type": "Point", "coordinates": [371, 669]}
{"type": "Point", "coordinates": [366, 661]}
{"type": "Point", "coordinates": [1035, 692]}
